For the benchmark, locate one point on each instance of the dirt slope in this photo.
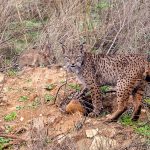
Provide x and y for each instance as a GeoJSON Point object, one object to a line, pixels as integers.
{"type": "Point", "coordinates": [39, 123]}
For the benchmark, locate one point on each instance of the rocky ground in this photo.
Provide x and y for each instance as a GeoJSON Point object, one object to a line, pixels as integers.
{"type": "Point", "coordinates": [30, 117]}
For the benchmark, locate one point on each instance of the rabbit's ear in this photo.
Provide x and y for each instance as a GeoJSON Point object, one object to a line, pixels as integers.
{"type": "Point", "coordinates": [48, 49]}
{"type": "Point", "coordinates": [63, 48]}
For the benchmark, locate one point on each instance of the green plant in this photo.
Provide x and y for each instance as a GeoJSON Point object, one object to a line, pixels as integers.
{"type": "Point", "coordinates": [143, 130]}
{"type": "Point", "coordinates": [139, 127]}
{"type": "Point", "coordinates": [7, 61]}
{"type": "Point", "coordinates": [35, 103]}
{"type": "Point", "coordinates": [102, 5]}
{"type": "Point", "coordinates": [8, 129]}
{"type": "Point", "coordinates": [62, 81]}
{"type": "Point", "coordinates": [19, 45]}
{"type": "Point", "coordinates": [3, 141]}
{"type": "Point", "coordinates": [32, 23]}
{"type": "Point", "coordinates": [74, 86]}
{"type": "Point", "coordinates": [48, 97]}
{"type": "Point", "coordinates": [49, 87]}
{"type": "Point", "coordinates": [10, 117]}
{"type": "Point", "coordinates": [147, 101]}
{"type": "Point", "coordinates": [23, 98]}
{"type": "Point", "coordinates": [19, 107]}
{"type": "Point", "coordinates": [104, 88]}
{"type": "Point", "coordinates": [126, 120]}
{"type": "Point", "coordinates": [12, 72]}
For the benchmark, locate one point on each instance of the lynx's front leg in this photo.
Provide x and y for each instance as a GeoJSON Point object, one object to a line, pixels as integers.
{"type": "Point", "coordinates": [95, 95]}
{"type": "Point", "coordinates": [82, 93]}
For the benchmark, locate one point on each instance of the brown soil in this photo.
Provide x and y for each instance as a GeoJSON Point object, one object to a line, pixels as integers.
{"type": "Point", "coordinates": [31, 83]}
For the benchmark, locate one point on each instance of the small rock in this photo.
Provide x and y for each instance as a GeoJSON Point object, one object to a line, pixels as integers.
{"type": "Point", "coordinates": [21, 119]}
{"type": "Point", "coordinates": [143, 110]}
{"type": "Point", "coordinates": [61, 138]}
{"type": "Point", "coordinates": [103, 143]}
{"type": "Point", "coordinates": [91, 132]}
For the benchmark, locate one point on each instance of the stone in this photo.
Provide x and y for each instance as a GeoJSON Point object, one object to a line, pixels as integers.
{"type": "Point", "coordinates": [91, 133]}
{"type": "Point", "coordinates": [21, 119]}
{"type": "Point", "coordinates": [61, 138]}
{"type": "Point", "coordinates": [103, 143]}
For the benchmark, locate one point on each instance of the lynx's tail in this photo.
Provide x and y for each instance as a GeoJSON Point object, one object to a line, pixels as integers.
{"type": "Point", "coordinates": [147, 72]}
{"type": "Point", "coordinates": [148, 78]}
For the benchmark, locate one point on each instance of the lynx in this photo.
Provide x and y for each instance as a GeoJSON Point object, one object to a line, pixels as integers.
{"type": "Point", "coordinates": [35, 58]}
{"type": "Point", "coordinates": [129, 73]}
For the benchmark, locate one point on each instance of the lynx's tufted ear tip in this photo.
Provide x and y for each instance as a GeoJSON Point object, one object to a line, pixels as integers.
{"type": "Point", "coordinates": [82, 47]}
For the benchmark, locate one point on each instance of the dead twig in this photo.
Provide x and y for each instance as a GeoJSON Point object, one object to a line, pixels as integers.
{"type": "Point", "coordinates": [58, 92]}
{"type": "Point", "coordinates": [60, 88]}
{"type": "Point", "coordinates": [123, 24]}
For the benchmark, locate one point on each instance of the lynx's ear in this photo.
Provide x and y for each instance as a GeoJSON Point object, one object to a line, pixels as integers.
{"type": "Point", "coordinates": [81, 47]}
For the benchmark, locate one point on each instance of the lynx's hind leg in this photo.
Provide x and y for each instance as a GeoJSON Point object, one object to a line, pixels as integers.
{"type": "Point", "coordinates": [124, 89]}
{"type": "Point", "coordinates": [137, 100]}
{"type": "Point", "coordinates": [121, 107]}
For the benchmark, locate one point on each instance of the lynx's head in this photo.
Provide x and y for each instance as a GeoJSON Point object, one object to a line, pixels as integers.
{"type": "Point", "coordinates": [73, 58]}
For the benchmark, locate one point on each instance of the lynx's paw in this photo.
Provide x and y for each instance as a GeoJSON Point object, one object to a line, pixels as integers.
{"type": "Point", "coordinates": [109, 118]}
{"type": "Point", "coordinates": [94, 114]}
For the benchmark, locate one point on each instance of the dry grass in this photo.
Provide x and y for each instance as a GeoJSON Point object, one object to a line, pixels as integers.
{"type": "Point", "coordinates": [106, 26]}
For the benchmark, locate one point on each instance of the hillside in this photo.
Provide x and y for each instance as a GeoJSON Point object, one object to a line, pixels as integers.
{"type": "Point", "coordinates": [38, 109]}
{"type": "Point", "coordinates": [29, 119]}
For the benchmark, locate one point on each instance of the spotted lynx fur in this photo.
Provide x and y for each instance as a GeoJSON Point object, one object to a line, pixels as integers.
{"type": "Point", "coordinates": [127, 72]}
